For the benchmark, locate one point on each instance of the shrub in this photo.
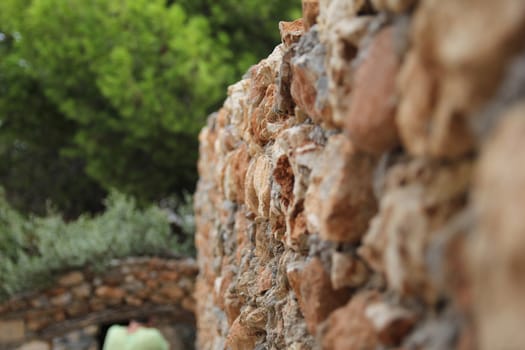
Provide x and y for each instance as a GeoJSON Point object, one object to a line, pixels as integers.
{"type": "Point", "coordinates": [34, 249]}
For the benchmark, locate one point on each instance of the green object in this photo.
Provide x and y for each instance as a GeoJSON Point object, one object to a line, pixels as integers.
{"type": "Point", "coordinates": [34, 250]}
{"type": "Point", "coordinates": [145, 338]}
{"type": "Point", "coordinates": [116, 91]}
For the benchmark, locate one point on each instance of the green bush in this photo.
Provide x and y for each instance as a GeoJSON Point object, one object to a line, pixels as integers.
{"type": "Point", "coordinates": [33, 249]}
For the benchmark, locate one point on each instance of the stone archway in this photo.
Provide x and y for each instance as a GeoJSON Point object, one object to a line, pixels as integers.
{"type": "Point", "coordinates": [80, 301]}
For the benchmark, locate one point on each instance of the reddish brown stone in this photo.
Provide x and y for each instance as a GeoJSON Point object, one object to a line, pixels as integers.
{"type": "Point", "coordinates": [222, 285]}
{"type": "Point", "coordinates": [188, 303]}
{"type": "Point", "coordinates": [82, 291]}
{"type": "Point", "coordinates": [71, 279]}
{"type": "Point", "coordinates": [391, 323]}
{"type": "Point", "coordinates": [240, 161]}
{"type": "Point", "coordinates": [61, 299]}
{"type": "Point", "coordinates": [131, 300]}
{"type": "Point", "coordinates": [317, 299]}
{"type": "Point", "coordinates": [308, 84]}
{"type": "Point", "coordinates": [264, 281]}
{"type": "Point", "coordinates": [304, 92]}
{"type": "Point", "coordinates": [310, 12]}
{"type": "Point", "coordinates": [168, 275]}
{"type": "Point", "coordinates": [348, 328]}
{"type": "Point", "coordinates": [109, 292]}
{"type": "Point", "coordinates": [496, 248]}
{"type": "Point", "coordinates": [56, 291]}
{"type": "Point", "coordinates": [241, 337]}
{"type": "Point", "coordinates": [172, 290]}
{"type": "Point", "coordinates": [291, 31]}
{"type": "Point", "coordinates": [340, 202]}
{"type": "Point", "coordinates": [77, 308]}
{"type": "Point", "coordinates": [347, 271]}
{"type": "Point", "coordinates": [395, 6]}
{"type": "Point", "coordinates": [232, 306]}
{"type": "Point", "coordinates": [283, 175]}
{"type": "Point", "coordinates": [370, 122]}
{"type": "Point", "coordinates": [152, 283]}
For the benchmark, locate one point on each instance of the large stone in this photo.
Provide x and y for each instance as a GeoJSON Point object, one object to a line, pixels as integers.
{"type": "Point", "coordinates": [347, 271]}
{"type": "Point", "coordinates": [291, 31]}
{"type": "Point", "coordinates": [317, 298]}
{"type": "Point", "coordinates": [395, 6]}
{"type": "Point", "coordinates": [420, 197]}
{"type": "Point", "coordinates": [348, 328]}
{"type": "Point", "coordinates": [173, 291]}
{"type": "Point", "coordinates": [107, 292]}
{"type": "Point", "coordinates": [310, 12]}
{"type": "Point", "coordinates": [11, 331]}
{"type": "Point", "coordinates": [309, 88]}
{"type": "Point", "coordinates": [35, 345]}
{"type": "Point", "coordinates": [391, 322]}
{"type": "Point", "coordinates": [340, 201]}
{"type": "Point", "coordinates": [370, 122]}
{"type": "Point", "coordinates": [447, 77]}
{"type": "Point", "coordinates": [242, 337]}
{"type": "Point", "coordinates": [496, 250]}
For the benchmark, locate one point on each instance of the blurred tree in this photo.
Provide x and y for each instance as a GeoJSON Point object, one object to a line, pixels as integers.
{"type": "Point", "coordinates": [118, 90]}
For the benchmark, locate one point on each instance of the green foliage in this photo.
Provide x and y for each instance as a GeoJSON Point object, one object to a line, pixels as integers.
{"type": "Point", "coordinates": [32, 250]}
{"type": "Point", "coordinates": [116, 91]}
{"type": "Point", "coordinates": [251, 26]}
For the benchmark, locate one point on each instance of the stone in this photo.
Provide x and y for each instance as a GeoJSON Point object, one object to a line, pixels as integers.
{"type": "Point", "coordinates": [332, 12]}
{"type": "Point", "coordinates": [188, 303]}
{"type": "Point", "coordinates": [241, 337]}
{"type": "Point", "coordinates": [342, 42]}
{"type": "Point", "coordinates": [61, 299]}
{"type": "Point", "coordinates": [82, 291]}
{"type": "Point", "coordinates": [106, 292]}
{"type": "Point", "coordinates": [460, 75]}
{"type": "Point", "coordinates": [310, 12]}
{"type": "Point", "coordinates": [40, 302]}
{"type": "Point", "coordinates": [317, 299]}
{"type": "Point", "coordinates": [134, 301]}
{"type": "Point", "coordinates": [347, 271]}
{"type": "Point", "coordinates": [308, 85]}
{"type": "Point", "coordinates": [370, 121]}
{"type": "Point", "coordinates": [394, 6]}
{"type": "Point", "coordinates": [419, 199]}
{"type": "Point", "coordinates": [496, 249]}
{"type": "Point", "coordinates": [35, 345]}
{"type": "Point", "coordinates": [173, 291]}
{"type": "Point", "coordinates": [348, 328]}
{"type": "Point", "coordinates": [37, 320]}
{"type": "Point", "coordinates": [291, 32]}
{"type": "Point", "coordinates": [391, 322]}
{"type": "Point", "coordinates": [254, 318]}
{"type": "Point", "coordinates": [12, 331]}
{"type": "Point", "coordinates": [71, 279]}
{"type": "Point", "coordinates": [264, 281]}
{"type": "Point", "coordinates": [258, 186]}
{"type": "Point", "coordinates": [77, 308]}
{"type": "Point", "coordinates": [339, 202]}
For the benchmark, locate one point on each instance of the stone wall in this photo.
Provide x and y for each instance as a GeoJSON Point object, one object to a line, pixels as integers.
{"type": "Point", "coordinates": [80, 301]}
{"type": "Point", "coordinates": [364, 186]}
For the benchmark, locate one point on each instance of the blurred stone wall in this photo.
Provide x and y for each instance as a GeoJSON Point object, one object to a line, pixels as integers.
{"type": "Point", "coordinates": [364, 186]}
{"type": "Point", "coordinates": [69, 314]}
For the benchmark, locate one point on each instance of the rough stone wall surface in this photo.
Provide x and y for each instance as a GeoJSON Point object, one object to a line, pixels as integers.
{"type": "Point", "coordinates": [363, 187]}
{"type": "Point", "coordinates": [83, 299]}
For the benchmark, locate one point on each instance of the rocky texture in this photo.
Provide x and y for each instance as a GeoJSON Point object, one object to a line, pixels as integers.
{"type": "Point", "coordinates": [362, 187]}
{"type": "Point", "coordinates": [79, 299]}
